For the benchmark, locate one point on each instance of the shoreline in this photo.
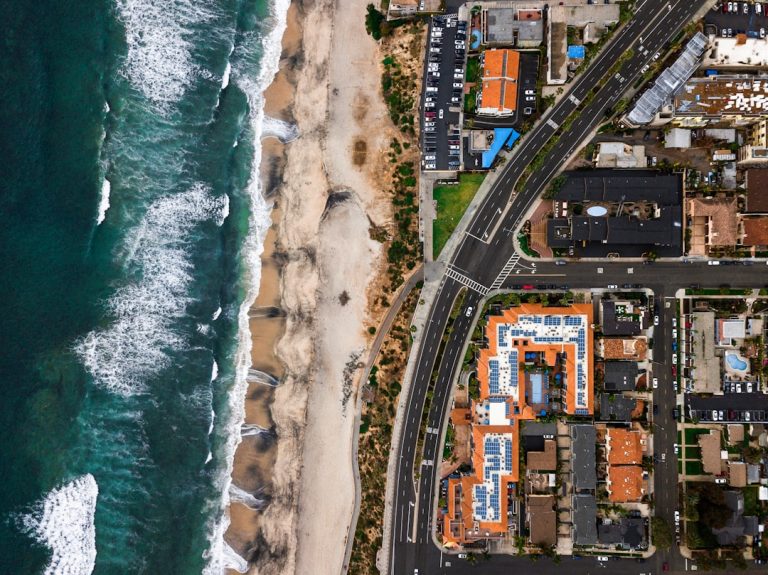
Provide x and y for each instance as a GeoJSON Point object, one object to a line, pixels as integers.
{"type": "Point", "coordinates": [255, 455]}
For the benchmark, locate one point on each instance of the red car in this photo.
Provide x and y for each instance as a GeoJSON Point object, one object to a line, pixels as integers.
{"type": "Point", "coordinates": [527, 286]}
{"type": "Point", "coordinates": [665, 566]}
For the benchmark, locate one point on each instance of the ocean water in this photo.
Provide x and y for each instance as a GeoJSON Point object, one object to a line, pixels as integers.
{"type": "Point", "coordinates": [130, 234]}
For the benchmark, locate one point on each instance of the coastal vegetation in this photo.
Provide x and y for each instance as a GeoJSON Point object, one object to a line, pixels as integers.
{"type": "Point", "coordinates": [380, 396]}
{"type": "Point", "coordinates": [452, 201]}
{"type": "Point", "coordinates": [401, 71]}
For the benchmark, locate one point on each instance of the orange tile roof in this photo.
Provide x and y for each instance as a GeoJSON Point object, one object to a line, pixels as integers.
{"type": "Point", "coordinates": [755, 231]}
{"type": "Point", "coordinates": [550, 351]}
{"type": "Point", "coordinates": [618, 348]}
{"type": "Point", "coordinates": [625, 483]}
{"type": "Point", "coordinates": [501, 70]}
{"type": "Point", "coordinates": [458, 523]}
{"type": "Point", "coordinates": [624, 447]}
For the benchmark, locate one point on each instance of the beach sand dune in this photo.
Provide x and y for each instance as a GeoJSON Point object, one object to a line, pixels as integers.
{"type": "Point", "coordinates": [325, 262]}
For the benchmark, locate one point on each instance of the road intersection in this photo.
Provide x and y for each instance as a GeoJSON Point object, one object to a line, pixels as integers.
{"type": "Point", "coordinates": [486, 260]}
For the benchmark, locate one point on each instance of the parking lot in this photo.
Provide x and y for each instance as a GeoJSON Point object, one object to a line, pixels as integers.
{"type": "Point", "coordinates": [442, 94]}
{"type": "Point", "coordinates": [743, 407]}
{"type": "Point", "coordinates": [731, 18]}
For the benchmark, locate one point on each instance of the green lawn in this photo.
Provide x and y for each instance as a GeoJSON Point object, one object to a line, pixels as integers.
{"type": "Point", "coordinates": [693, 468]}
{"type": "Point", "coordinates": [692, 452]}
{"type": "Point", "coordinates": [452, 201]}
{"type": "Point", "coordinates": [691, 434]}
{"type": "Point", "coordinates": [473, 70]}
{"type": "Point", "coordinates": [751, 502]}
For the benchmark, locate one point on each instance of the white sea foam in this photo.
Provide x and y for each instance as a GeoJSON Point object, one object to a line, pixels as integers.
{"type": "Point", "coordinates": [159, 62]}
{"type": "Point", "coordinates": [280, 129]}
{"type": "Point", "coordinates": [104, 201]}
{"type": "Point", "coordinates": [220, 555]}
{"type": "Point", "coordinates": [216, 314]}
{"type": "Point", "coordinates": [238, 495]}
{"type": "Point", "coordinates": [251, 429]}
{"type": "Point", "coordinates": [136, 344]}
{"type": "Point", "coordinates": [64, 522]}
{"type": "Point", "coordinates": [225, 77]}
{"type": "Point", "coordinates": [231, 560]}
{"type": "Point", "coordinates": [262, 377]}
{"type": "Point", "coordinates": [214, 371]}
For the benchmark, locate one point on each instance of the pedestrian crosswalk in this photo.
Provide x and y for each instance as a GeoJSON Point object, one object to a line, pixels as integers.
{"type": "Point", "coordinates": [470, 283]}
{"type": "Point", "coordinates": [505, 271]}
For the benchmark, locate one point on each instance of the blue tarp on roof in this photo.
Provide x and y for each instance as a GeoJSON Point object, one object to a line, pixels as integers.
{"type": "Point", "coordinates": [501, 136]}
{"type": "Point", "coordinates": [576, 52]}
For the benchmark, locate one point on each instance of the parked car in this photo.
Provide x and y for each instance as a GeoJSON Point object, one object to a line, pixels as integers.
{"type": "Point", "coordinates": [655, 383]}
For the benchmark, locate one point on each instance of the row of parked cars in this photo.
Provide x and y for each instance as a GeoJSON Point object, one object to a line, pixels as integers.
{"type": "Point", "coordinates": [729, 33]}
{"type": "Point", "coordinates": [742, 8]}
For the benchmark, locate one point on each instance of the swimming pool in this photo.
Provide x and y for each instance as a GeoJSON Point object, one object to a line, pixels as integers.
{"type": "Point", "coordinates": [735, 362]}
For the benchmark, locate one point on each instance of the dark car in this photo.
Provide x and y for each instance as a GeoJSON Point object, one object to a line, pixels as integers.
{"type": "Point", "coordinates": [675, 414]}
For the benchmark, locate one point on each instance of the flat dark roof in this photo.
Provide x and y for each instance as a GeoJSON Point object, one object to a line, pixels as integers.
{"type": "Point", "coordinates": [583, 460]}
{"type": "Point", "coordinates": [584, 520]}
{"type": "Point", "coordinates": [614, 407]}
{"type": "Point", "coordinates": [621, 186]}
{"type": "Point", "coordinates": [617, 325]}
{"type": "Point", "coordinates": [620, 375]}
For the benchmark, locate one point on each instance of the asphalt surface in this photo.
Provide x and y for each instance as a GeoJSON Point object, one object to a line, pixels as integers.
{"type": "Point", "coordinates": [482, 261]}
{"type": "Point", "coordinates": [436, 144]}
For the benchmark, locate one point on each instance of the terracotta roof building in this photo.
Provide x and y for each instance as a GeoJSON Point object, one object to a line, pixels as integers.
{"type": "Point", "coordinates": [755, 231]}
{"type": "Point", "coordinates": [542, 520]}
{"type": "Point", "coordinates": [624, 447]}
{"type": "Point", "coordinates": [616, 348]}
{"type": "Point", "coordinates": [625, 483]}
{"type": "Point", "coordinates": [543, 460]}
{"type": "Point", "coordinates": [501, 70]}
{"type": "Point", "coordinates": [715, 222]}
{"type": "Point", "coordinates": [737, 474]}
{"type": "Point", "coordinates": [710, 452]}
{"type": "Point", "coordinates": [757, 191]}
{"type": "Point", "coordinates": [524, 342]}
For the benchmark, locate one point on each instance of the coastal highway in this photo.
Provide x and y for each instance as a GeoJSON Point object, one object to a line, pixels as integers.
{"type": "Point", "coordinates": [487, 253]}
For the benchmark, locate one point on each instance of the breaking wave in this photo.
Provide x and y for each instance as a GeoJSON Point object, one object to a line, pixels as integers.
{"type": "Point", "coordinates": [280, 129]}
{"type": "Point", "coordinates": [159, 61]}
{"type": "Point", "coordinates": [64, 522]}
{"type": "Point", "coordinates": [136, 344]}
{"type": "Point", "coordinates": [238, 495]}
{"type": "Point", "coordinates": [220, 554]}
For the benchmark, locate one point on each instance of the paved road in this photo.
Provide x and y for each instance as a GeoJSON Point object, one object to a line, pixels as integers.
{"type": "Point", "coordinates": [484, 253]}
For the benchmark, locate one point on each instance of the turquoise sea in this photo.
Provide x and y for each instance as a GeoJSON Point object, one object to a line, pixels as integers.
{"type": "Point", "coordinates": [131, 223]}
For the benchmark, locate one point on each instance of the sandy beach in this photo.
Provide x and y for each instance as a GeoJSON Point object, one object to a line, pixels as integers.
{"type": "Point", "coordinates": [309, 323]}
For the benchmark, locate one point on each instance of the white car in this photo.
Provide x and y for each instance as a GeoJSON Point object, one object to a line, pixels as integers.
{"type": "Point", "coordinates": [677, 516]}
{"type": "Point", "coordinates": [458, 85]}
{"type": "Point", "coordinates": [720, 480]}
{"type": "Point", "coordinates": [602, 558]}
{"type": "Point", "coordinates": [655, 383]}
{"type": "Point", "coordinates": [530, 92]}
{"type": "Point", "coordinates": [470, 309]}
{"type": "Point", "coordinates": [613, 286]}
{"type": "Point", "coordinates": [655, 320]}
{"type": "Point", "coordinates": [674, 322]}
{"type": "Point", "coordinates": [429, 159]}
{"type": "Point", "coordinates": [440, 114]}
{"type": "Point", "coordinates": [714, 415]}
{"type": "Point", "coordinates": [713, 263]}
{"type": "Point", "coordinates": [462, 555]}
{"type": "Point", "coordinates": [677, 448]}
